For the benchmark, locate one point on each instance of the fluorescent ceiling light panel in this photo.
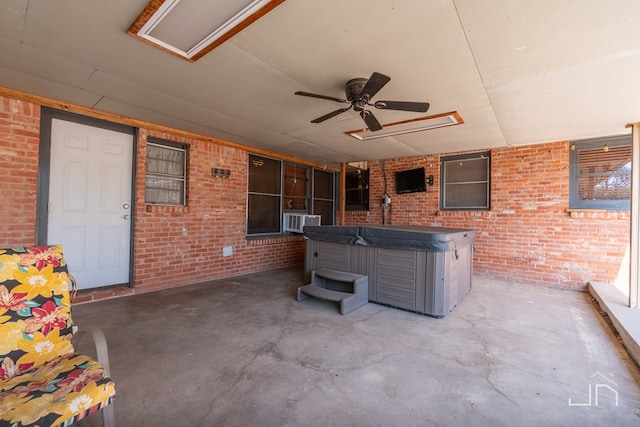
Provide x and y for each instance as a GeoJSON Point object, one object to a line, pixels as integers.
{"type": "Point", "coordinates": [192, 28]}
{"type": "Point", "coordinates": [410, 126]}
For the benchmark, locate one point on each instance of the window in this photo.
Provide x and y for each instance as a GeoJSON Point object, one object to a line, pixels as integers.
{"type": "Point", "coordinates": [264, 205]}
{"type": "Point", "coordinates": [296, 187]}
{"type": "Point", "coordinates": [600, 174]}
{"type": "Point", "coordinates": [357, 190]}
{"type": "Point", "coordinates": [276, 187]}
{"type": "Point", "coordinates": [465, 183]}
{"type": "Point", "coordinates": [323, 195]}
{"type": "Point", "coordinates": [166, 178]}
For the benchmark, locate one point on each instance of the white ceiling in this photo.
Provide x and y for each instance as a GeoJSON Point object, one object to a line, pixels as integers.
{"type": "Point", "coordinates": [518, 72]}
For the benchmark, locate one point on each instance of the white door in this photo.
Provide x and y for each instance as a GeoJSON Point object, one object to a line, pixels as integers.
{"type": "Point", "coordinates": [90, 201]}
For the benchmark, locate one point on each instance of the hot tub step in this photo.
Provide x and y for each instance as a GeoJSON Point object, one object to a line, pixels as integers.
{"type": "Point", "coordinates": [349, 289]}
{"type": "Point", "coordinates": [328, 294]}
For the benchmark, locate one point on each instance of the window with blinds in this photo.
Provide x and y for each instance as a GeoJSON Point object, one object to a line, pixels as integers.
{"type": "Point", "coordinates": [166, 173]}
{"type": "Point", "coordinates": [465, 182]}
{"type": "Point", "coordinates": [600, 174]}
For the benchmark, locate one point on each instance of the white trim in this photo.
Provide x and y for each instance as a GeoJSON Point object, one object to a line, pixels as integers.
{"type": "Point", "coordinates": [167, 7]}
{"type": "Point", "coordinates": [634, 238]}
{"type": "Point", "coordinates": [394, 129]}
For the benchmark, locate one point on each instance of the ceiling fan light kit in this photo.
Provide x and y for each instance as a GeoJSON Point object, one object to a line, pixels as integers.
{"type": "Point", "coordinates": [359, 92]}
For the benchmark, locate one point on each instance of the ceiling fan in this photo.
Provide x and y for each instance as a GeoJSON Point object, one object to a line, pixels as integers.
{"type": "Point", "coordinates": [359, 92]}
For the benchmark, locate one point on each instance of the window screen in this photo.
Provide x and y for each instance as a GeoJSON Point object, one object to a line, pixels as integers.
{"type": "Point", "coordinates": [296, 187]}
{"type": "Point", "coordinates": [357, 190]}
{"type": "Point", "coordinates": [323, 195]}
{"type": "Point", "coordinates": [465, 183]}
{"type": "Point", "coordinates": [275, 187]}
{"type": "Point", "coordinates": [264, 195]}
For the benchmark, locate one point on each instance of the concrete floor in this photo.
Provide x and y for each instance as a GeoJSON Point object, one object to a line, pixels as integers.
{"type": "Point", "coordinates": [243, 351]}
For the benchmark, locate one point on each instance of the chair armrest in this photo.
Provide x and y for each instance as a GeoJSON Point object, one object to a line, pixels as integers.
{"type": "Point", "coordinates": [99, 341]}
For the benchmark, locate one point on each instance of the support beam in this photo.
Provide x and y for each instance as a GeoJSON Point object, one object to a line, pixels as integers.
{"type": "Point", "coordinates": [343, 192]}
{"type": "Point", "coordinates": [634, 239]}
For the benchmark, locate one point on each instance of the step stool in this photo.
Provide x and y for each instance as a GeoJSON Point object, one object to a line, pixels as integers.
{"type": "Point", "coordinates": [350, 289]}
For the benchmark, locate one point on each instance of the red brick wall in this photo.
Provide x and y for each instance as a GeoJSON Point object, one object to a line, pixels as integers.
{"type": "Point", "coordinates": [179, 245]}
{"type": "Point", "coordinates": [173, 246]}
{"type": "Point", "coordinates": [528, 236]}
{"type": "Point", "coordinates": [19, 136]}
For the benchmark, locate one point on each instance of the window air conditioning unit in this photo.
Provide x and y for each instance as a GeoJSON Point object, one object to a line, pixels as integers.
{"type": "Point", "coordinates": [295, 222]}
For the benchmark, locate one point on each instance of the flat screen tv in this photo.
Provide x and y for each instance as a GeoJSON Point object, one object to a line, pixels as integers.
{"type": "Point", "coordinates": [411, 181]}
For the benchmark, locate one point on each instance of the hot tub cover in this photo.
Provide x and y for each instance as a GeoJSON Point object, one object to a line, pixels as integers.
{"type": "Point", "coordinates": [435, 239]}
{"type": "Point", "coordinates": [333, 233]}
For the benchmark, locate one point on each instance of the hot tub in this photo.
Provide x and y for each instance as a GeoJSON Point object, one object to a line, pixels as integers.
{"type": "Point", "coordinates": [426, 270]}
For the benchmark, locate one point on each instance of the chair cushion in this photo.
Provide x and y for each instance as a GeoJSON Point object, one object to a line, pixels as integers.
{"type": "Point", "coordinates": [35, 308]}
{"type": "Point", "coordinates": [42, 381]}
{"type": "Point", "coordinates": [57, 393]}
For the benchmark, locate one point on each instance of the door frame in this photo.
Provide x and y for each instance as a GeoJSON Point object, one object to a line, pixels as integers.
{"type": "Point", "coordinates": [44, 170]}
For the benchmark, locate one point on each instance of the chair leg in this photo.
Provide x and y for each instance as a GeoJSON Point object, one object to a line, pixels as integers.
{"type": "Point", "coordinates": [108, 416]}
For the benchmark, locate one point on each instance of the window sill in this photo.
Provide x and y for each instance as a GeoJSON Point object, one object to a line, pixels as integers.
{"type": "Point", "coordinates": [273, 239]}
{"type": "Point", "coordinates": [463, 212]}
{"type": "Point", "coordinates": [166, 209]}
{"type": "Point", "coordinates": [597, 214]}
{"type": "Point", "coordinates": [358, 212]}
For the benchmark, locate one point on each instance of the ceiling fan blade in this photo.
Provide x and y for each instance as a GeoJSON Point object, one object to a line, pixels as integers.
{"type": "Point", "coordinates": [370, 120]}
{"type": "Point", "coordinates": [331, 114]}
{"type": "Point", "coordinates": [314, 95]}
{"type": "Point", "coordinates": [374, 84]}
{"type": "Point", "coordinates": [419, 107]}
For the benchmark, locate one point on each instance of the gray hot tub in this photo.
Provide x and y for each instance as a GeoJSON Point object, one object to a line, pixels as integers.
{"type": "Point", "coordinates": [427, 270]}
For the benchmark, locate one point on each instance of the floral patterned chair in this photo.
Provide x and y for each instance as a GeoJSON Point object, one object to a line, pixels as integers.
{"type": "Point", "coordinates": [43, 381]}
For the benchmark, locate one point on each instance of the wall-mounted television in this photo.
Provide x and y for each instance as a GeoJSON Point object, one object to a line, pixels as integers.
{"type": "Point", "coordinates": [411, 181]}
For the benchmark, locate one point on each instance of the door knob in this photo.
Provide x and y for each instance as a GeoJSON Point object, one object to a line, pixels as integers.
{"type": "Point", "coordinates": [125, 216]}
{"type": "Point", "coordinates": [125, 206]}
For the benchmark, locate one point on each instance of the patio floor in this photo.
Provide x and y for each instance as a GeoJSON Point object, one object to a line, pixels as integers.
{"type": "Point", "coordinates": [242, 351]}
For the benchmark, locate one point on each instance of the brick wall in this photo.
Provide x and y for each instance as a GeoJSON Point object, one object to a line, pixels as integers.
{"type": "Point", "coordinates": [173, 246]}
{"type": "Point", "coordinates": [528, 236]}
{"type": "Point", "coordinates": [19, 136]}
